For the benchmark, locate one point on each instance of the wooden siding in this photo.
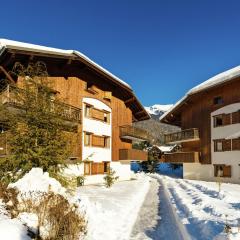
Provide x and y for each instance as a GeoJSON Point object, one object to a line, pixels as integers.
{"type": "Point", "coordinates": [197, 113]}
{"type": "Point", "coordinates": [181, 157]}
{"type": "Point", "coordinates": [133, 154]}
{"type": "Point", "coordinates": [72, 91]}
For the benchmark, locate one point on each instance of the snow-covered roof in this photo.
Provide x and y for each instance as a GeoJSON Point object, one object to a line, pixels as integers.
{"type": "Point", "coordinates": [211, 82]}
{"type": "Point", "coordinates": [5, 43]}
{"type": "Point", "coordinates": [166, 148]}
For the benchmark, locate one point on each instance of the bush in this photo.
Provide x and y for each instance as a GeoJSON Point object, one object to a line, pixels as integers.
{"type": "Point", "coordinates": [57, 218]}
{"type": "Point", "coordinates": [110, 178]}
{"type": "Point", "coordinates": [80, 180]}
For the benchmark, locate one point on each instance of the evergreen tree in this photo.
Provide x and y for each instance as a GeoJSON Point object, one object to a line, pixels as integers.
{"type": "Point", "coordinates": [37, 137]}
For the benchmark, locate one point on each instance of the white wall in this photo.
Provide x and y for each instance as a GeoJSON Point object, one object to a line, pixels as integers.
{"type": "Point", "coordinates": [228, 157]}
{"type": "Point", "coordinates": [197, 171]}
{"type": "Point", "coordinates": [97, 154]}
{"type": "Point", "coordinates": [123, 169]}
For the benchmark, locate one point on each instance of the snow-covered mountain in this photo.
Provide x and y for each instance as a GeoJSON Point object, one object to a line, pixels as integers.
{"type": "Point", "coordinates": [158, 110]}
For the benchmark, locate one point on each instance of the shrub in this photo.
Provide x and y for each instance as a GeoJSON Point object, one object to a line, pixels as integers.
{"type": "Point", "coordinates": [110, 178]}
{"type": "Point", "coordinates": [57, 218]}
{"type": "Point", "coordinates": [80, 180]}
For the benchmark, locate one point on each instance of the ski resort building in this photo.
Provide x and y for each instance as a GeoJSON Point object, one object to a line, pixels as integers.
{"type": "Point", "coordinates": [99, 106]}
{"type": "Point", "coordinates": [209, 116]}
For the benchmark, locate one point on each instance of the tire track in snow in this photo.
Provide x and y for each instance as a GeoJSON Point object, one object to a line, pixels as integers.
{"type": "Point", "coordinates": [157, 219]}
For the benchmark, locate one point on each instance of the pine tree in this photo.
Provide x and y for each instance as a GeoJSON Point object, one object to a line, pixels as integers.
{"type": "Point", "coordinates": [37, 137]}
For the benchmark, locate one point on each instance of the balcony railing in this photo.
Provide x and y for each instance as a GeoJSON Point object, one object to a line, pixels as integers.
{"type": "Point", "coordinates": [182, 136]}
{"type": "Point", "coordinates": [133, 154]}
{"type": "Point", "coordinates": [181, 157]}
{"type": "Point", "coordinates": [11, 95]}
{"type": "Point", "coordinates": [134, 133]}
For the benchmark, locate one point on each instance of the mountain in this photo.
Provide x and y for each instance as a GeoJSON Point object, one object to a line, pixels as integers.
{"type": "Point", "coordinates": [154, 126]}
{"type": "Point", "coordinates": [157, 110]}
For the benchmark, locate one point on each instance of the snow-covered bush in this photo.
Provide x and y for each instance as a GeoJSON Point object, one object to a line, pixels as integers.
{"type": "Point", "coordinates": [44, 206]}
{"type": "Point", "coordinates": [110, 178]}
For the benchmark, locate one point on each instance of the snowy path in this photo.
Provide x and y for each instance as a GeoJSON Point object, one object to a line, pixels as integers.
{"type": "Point", "coordinates": [150, 225]}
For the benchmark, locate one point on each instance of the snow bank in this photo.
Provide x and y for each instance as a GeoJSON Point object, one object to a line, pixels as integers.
{"type": "Point", "coordinates": [12, 229]}
{"type": "Point", "coordinates": [39, 182]}
{"type": "Point", "coordinates": [112, 212]}
{"type": "Point", "coordinates": [202, 209]}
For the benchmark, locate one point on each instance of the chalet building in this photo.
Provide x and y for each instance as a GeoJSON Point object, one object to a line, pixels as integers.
{"type": "Point", "coordinates": [209, 116]}
{"type": "Point", "coordinates": [99, 106]}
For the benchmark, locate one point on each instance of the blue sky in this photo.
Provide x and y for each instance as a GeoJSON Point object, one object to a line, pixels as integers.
{"type": "Point", "coordinates": [161, 48]}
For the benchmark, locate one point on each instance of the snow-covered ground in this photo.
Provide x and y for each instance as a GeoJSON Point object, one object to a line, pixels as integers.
{"type": "Point", "coordinates": [202, 209]}
{"type": "Point", "coordinates": [112, 212]}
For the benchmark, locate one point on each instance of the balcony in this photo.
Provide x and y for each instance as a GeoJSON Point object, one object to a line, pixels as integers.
{"type": "Point", "coordinates": [11, 96]}
{"type": "Point", "coordinates": [133, 133]}
{"type": "Point", "coordinates": [181, 157]}
{"type": "Point", "coordinates": [133, 154]}
{"type": "Point", "coordinates": [187, 135]}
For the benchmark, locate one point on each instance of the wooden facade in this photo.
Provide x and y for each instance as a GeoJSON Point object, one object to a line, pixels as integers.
{"type": "Point", "coordinates": [74, 79]}
{"type": "Point", "coordinates": [195, 112]}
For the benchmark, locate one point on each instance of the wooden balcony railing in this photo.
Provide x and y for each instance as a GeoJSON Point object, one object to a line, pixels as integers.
{"type": "Point", "coordinates": [133, 154]}
{"type": "Point", "coordinates": [134, 133]}
{"type": "Point", "coordinates": [182, 136]}
{"type": "Point", "coordinates": [181, 157]}
{"type": "Point", "coordinates": [11, 95]}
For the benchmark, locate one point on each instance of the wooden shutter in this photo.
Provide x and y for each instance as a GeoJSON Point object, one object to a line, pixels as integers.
{"type": "Point", "coordinates": [227, 171]}
{"type": "Point", "coordinates": [87, 168]}
{"type": "Point", "coordinates": [97, 114]}
{"type": "Point", "coordinates": [236, 144]}
{"type": "Point", "coordinates": [226, 119]}
{"type": "Point", "coordinates": [236, 117]}
{"type": "Point", "coordinates": [97, 141]}
{"type": "Point", "coordinates": [226, 145]}
{"type": "Point", "coordinates": [97, 168]}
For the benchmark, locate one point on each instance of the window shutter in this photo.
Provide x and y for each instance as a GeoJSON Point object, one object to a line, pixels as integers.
{"type": "Point", "coordinates": [227, 145]}
{"type": "Point", "coordinates": [226, 119]}
{"type": "Point", "coordinates": [97, 141]}
{"type": "Point", "coordinates": [97, 114]}
{"type": "Point", "coordinates": [236, 117]}
{"type": "Point", "coordinates": [227, 171]}
{"type": "Point", "coordinates": [236, 144]}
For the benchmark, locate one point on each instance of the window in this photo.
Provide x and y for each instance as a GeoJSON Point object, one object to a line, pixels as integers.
{"type": "Point", "coordinates": [218, 100]}
{"type": "Point", "coordinates": [107, 142]}
{"type": "Point", "coordinates": [106, 167]}
{"type": "Point", "coordinates": [218, 170]}
{"type": "Point", "coordinates": [221, 145]}
{"type": "Point", "coordinates": [87, 139]}
{"type": "Point", "coordinates": [222, 171]}
{"type": "Point", "coordinates": [218, 146]}
{"type": "Point", "coordinates": [88, 110]}
{"type": "Point", "coordinates": [107, 117]}
{"type": "Point", "coordinates": [218, 120]}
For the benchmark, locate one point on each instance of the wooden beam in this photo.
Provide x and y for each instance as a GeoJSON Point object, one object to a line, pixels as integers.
{"type": "Point", "coordinates": [69, 61]}
{"type": "Point", "coordinates": [130, 100]}
{"type": "Point", "coordinates": [139, 113]}
{"type": "Point", "coordinates": [7, 75]}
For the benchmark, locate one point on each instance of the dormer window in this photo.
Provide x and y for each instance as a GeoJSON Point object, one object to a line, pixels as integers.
{"type": "Point", "coordinates": [218, 100]}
